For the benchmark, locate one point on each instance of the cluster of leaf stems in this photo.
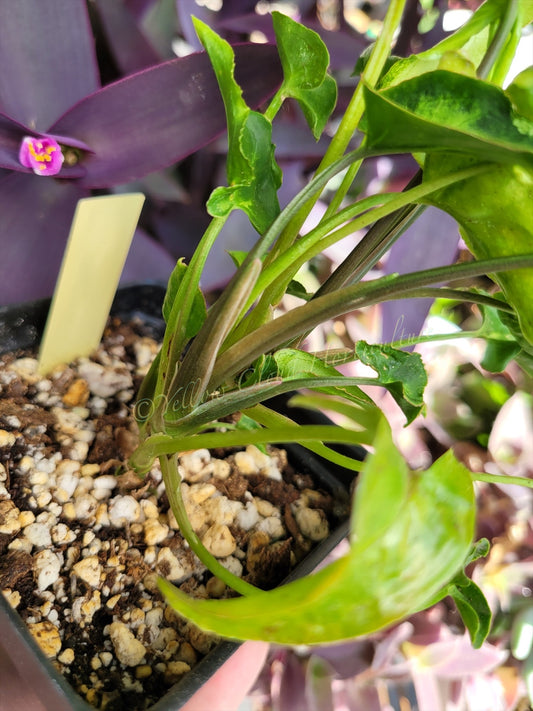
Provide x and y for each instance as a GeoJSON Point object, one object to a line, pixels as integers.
{"type": "Point", "coordinates": [238, 329]}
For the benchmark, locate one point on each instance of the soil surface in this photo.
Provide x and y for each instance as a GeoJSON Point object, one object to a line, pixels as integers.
{"type": "Point", "coordinates": [83, 539]}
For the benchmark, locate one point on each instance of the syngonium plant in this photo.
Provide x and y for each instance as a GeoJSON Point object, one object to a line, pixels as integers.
{"type": "Point", "coordinates": [411, 532]}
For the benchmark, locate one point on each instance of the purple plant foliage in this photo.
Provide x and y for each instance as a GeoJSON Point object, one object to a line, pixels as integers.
{"type": "Point", "coordinates": [289, 683]}
{"type": "Point", "coordinates": [185, 10]}
{"type": "Point", "coordinates": [420, 661]}
{"type": "Point", "coordinates": [149, 257]}
{"type": "Point", "coordinates": [110, 135]}
{"type": "Point", "coordinates": [430, 242]}
{"type": "Point", "coordinates": [107, 55]}
{"type": "Point", "coordinates": [319, 691]}
{"type": "Point", "coordinates": [138, 7]}
{"type": "Point", "coordinates": [54, 90]}
{"type": "Point", "coordinates": [130, 47]}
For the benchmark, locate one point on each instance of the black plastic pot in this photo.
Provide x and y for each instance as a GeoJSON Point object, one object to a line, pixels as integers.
{"type": "Point", "coordinates": [27, 679]}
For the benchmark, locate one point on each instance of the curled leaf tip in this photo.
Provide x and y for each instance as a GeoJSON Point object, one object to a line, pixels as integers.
{"type": "Point", "coordinates": [43, 155]}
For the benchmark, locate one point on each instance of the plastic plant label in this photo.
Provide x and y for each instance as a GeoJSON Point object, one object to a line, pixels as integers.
{"type": "Point", "coordinates": [97, 247]}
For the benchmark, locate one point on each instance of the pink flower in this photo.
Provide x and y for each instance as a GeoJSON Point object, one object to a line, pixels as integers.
{"type": "Point", "coordinates": [42, 155]}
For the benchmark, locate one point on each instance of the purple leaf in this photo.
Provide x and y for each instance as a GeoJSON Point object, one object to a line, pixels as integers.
{"type": "Point", "coordinates": [139, 7]}
{"type": "Point", "coordinates": [430, 242]}
{"type": "Point", "coordinates": [294, 141]}
{"type": "Point", "coordinates": [245, 24]}
{"type": "Point", "coordinates": [147, 261]}
{"type": "Point", "coordinates": [319, 675]}
{"type": "Point", "coordinates": [360, 695]}
{"type": "Point", "coordinates": [291, 686]}
{"type": "Point", "coordinates": [455, 658]}
{"type": "Point", "coordinates": [348, 658]}
{"type": "Point", "coordinates": [11, 135]}
{"type": "Point", "coordinates": [36, 216]}
{"type": "Point", "coordinates": [430, 694]}
{"type": "Point", "coordinates": [185, 9]}
{"type": "Point", "coordinates": [230, 8]}
{"type": "Point", "coordinates": [177, 226]}
{"type": "Point", "coordinates": [158, 116]}
{"type": "Point", "coordinates": [47, 59]}
{"type": "Point", "coordinates": [131, 50]}
{"type": "Point", "coordinates": [387, 648]}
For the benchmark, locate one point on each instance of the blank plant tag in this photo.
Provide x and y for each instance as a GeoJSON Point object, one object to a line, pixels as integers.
{"type": "Point", "coordinates": [98, 244]}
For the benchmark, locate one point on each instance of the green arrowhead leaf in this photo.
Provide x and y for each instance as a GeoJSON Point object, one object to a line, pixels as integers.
{"type": "Point", "coordinates": [293, 363]}
{"type": "Point", "coordinates": [460, 121]}
{"type": "Point", "coordinates": [370, 522]}
{"type": "Point", "coordinates": [480, 549]}
{"type": "Point", "coordinates": [501, 345]}
{"type": "Point", "coordinates": [238, 256]}
{"type": "Point", "coordinates": [443, 111]}
{"type": "Point", "coordinates": [525, 356]}
{"type": "Point", "coordinates": [520, 92]}
{"type": "Point", "coordinates": [498, 354]}
{"type": "Point", "coordinates": [474, 610]}
{"type": "Point", "coordinates": [415, 532]}
{"type": "Point", "coordinates": [254, 180]}
{"type": "Point", "coordinates": [305, 60]}
{"type": "Point", "coordinates": [304, 57]}
{"type": "Point", "coordinates": [402, 373]}
{"type": "Point", "coordinates": [470, 600]}
{"type": "Point", "coordinates": [494, 211]}
{"type": "Point", "coordinates": [253, 175]}
{"type": "Point", "coordinates": [317, 104]}
{"type": "Point", "coordinates": [296, 288]}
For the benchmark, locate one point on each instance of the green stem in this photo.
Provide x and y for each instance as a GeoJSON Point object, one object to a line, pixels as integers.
{"type": "Point", "coordinates": [197, 364]}
{"type": "Point", "coordinates": [243, 398]}
{"type": "Point", "coordinates": [162, 446]}
{"type": "Point", "coordinates": [500, 39]}
{"type": "Point", "coordinates": [274, 106]}
{"type": "Point", "coordinates": [304, 318]}
{"type": "Point", "coordinates": [341, 192]}
{"type": "Point", "coordinates": [416, 340]}
{"type": "Point", "coordinates": [389, 210]}
{"type": "Point", "coordinates": [378, 240]}
{"type": "Point", "coordinates": [172, 482]}
{"type": "Point", "coordinates": [350, 120]}
{"type": "Point", "coordinates": [371, 75]}
{"type": "Point", "coordinates": [269, 418]}
{"type": "Point", "coordinates": [263, 245]}
{"type": "Point", "coordinates": [502, 479]}
{"type": "Point", "coordinates": [352, 116]}
{"type": "Point", "coordinates": [353, 218]}
{"type": "Point", "coordinates": [175, 341]}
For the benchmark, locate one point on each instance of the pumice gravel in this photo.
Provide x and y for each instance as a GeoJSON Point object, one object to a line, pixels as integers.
{"type": "Point", "coordinates": [83, 539]}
